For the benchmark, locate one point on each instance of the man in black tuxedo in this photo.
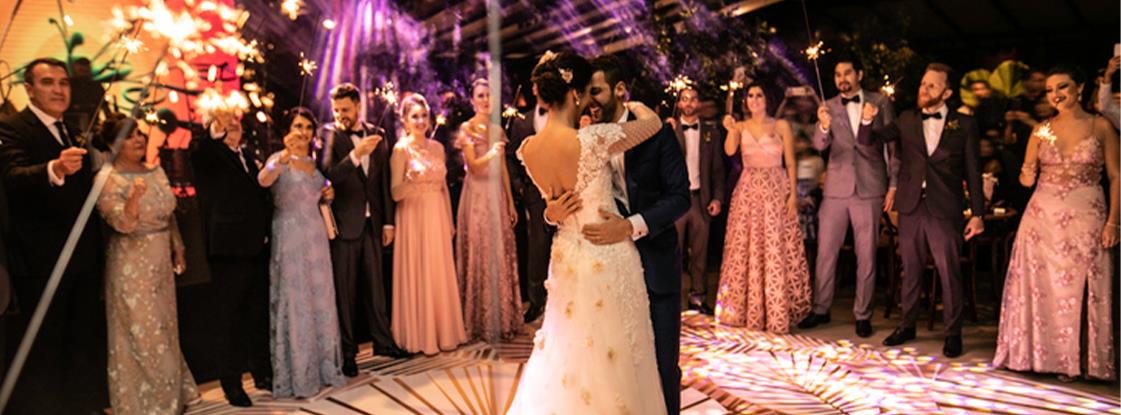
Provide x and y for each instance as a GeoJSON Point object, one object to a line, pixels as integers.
{"type": "Point", "coordinates": [701, 143]}
{"type": "Point", "coordinates": [652, 190]}
{"type": "Point", "coordinates": [236, 217]}
{"type": "Point", "coordinates": [539, 236]}
{"type": "Point", "coordinates": [938, 150]}
{"type": "Point", "coordinates": [47, 177]}
{"type": "Point", "coordinates": [355, 158]}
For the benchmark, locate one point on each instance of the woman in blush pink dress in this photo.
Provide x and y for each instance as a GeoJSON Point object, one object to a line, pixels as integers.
{"type": "Point", "coordinates": [486, 252]}
{"type": "Point", "coordinates": [764, 279]}
{"type": "Point", "coordinates": [426, 311]}
{"type": "Point", "coordinates": [1055, 317]}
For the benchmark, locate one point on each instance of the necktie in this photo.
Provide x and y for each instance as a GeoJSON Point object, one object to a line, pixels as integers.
{"type": "Point", "coordinates": [855, 99]}
{"type": "Point", "coordinates": [934, 115]}
{"type": "Point", "coordinates": [62, 135]}
{"type": "Point", "coordinates": [687, 127]}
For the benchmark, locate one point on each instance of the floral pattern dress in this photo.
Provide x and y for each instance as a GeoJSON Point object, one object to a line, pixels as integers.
{"type": "Point", "coordinates": [1059, 275]}
{"type": "Point", "coordinates": [147, 372]}
{"type": "Point", "coordinates": [764, 278]}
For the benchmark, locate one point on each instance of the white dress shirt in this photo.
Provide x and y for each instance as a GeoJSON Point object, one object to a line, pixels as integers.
{"type": "Point", "coordinates": [619, 188]}
{"type": "Point", "coordinates": [854, 110]}
{"type": "Point", "coordinates": [49, 121]}
{"type": "Point", "coordinates": [693, 153]}
{"type": "Point", "coordinates": [932, 130]}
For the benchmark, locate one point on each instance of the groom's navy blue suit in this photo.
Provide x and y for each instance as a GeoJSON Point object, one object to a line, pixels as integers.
{"type": "Point", "coordinates": [658, 189]}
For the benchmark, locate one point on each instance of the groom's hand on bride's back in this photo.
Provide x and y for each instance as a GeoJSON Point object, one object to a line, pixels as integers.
{"type": "Point", "coordinates": [558, 208]}
{"type": "Point", "coordinates": [613, 229]}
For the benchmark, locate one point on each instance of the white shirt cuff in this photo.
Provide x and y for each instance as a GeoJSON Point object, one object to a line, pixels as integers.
{"type": "Point", "coordinates": [865, 122]}
{"type": "Point", "coordinates": [54, 180]}
{"type": "Point", "coordinates": [638, 227]}
{"type": "Point", "coordinates": [387, 227]}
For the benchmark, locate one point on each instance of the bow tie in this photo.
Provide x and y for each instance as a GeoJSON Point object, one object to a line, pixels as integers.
{"type": "Point", "coordinates": [687, 127]}
{"type": "Point", "coordinates": [541, 111]}
{"type": "Point", "coordinates": [934, 115]}
{"type": "Point", "coordinates": [855, 99]}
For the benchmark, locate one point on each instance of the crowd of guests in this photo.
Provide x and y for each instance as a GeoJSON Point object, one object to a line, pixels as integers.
{"type": "Point", "coordinates": [295, 243]}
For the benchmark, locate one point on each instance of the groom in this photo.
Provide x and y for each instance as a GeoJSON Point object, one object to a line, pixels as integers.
{"type": "Point", "coordinates": [652, 191]}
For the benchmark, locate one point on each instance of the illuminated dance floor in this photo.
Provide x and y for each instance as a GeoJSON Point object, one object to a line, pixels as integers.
{"type": "Point", "coordinates": [726, 370]}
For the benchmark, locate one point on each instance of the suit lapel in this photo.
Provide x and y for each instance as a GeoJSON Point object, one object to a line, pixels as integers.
{"type": "Point", "coordinates": [843, 122]}
{"type": "Point", "coordinates": [947, 132]}
{"type": "Point", "coordinates": [39, 129]}
{"type": "Point", "coordinates": [920, 134]}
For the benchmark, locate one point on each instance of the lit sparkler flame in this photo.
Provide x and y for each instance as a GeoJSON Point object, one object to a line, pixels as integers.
{"type": "Point", "coordinates": [731, 86]}
{"type": "Point", "coordinates": [680, 83]}
{"type": "Point", "coordinates": [131, 44]}
{"type": "Point", "coordinates": [1045, 133]}
{"type": "Point", "coordinates": [292, 8]}
{"type": "Point", "coordinates": [814, 51]}
{"type": "Point", "coordinates": [211, 102]}
{"type": "Point", "coordinates": [510, 112]}
{"type": "Point", "coordinates": [441, 119]}
{"type": "Point", "coordinates": [888, 88]}
{"type": "Point", "coordinates": [308, 67]}
{"type": "Point", "coordinates": [388, 92]}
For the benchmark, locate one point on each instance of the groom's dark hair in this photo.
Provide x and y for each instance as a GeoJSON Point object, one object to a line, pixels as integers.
{"type": "Point", "coordinates": [613, 70]}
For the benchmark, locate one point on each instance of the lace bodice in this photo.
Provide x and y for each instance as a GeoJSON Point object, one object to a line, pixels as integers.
{"type": "Point", "coordinates": [598, 143]}
{"type": "Point", "coordinates": [425, 169]}
{"type": "Point", "coordinates": [763, 152]}
{"type": "Point", "coordinates": [1081, 168]}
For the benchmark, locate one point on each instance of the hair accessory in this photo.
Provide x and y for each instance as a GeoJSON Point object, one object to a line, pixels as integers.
{"type": "Point", "coordinates": [566, 74]}
{"type": "Point", "coordinates": [548, 56]}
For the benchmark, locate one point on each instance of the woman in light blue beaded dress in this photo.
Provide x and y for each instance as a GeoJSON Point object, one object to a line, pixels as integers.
{"type": "Point", "coordinates": [304, 328]}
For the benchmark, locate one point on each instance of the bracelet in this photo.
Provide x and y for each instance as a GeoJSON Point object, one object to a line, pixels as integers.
{"type": "Point", "coordinates": [1113, 224]}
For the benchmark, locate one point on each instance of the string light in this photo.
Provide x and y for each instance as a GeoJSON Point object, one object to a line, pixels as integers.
{"type": "Point", "coordinates": [292, 8]}
{"type": "Point", "coordinates": [329, 24]}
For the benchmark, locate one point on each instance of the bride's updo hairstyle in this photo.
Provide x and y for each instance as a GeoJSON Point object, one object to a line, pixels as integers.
{"type": "Point", "coordinates": [559, 73]}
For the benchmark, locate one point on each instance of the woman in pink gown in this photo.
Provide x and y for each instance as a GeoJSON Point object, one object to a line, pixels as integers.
{"type": "Point", "coordinates": [426, 313]}
{"type": "Point", "coordinates": [764, 279]}
{"type": "Point", "coordinates": [486, 252]}
{"type": "Point", "coordinates": [1056, 313]}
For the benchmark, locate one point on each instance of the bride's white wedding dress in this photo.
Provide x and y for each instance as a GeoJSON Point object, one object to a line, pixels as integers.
{"type": "Point", "coordinates": [594, 353]}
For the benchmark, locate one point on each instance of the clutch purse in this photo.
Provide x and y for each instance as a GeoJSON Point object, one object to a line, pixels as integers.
{"type": "Point", "coordinates": [329, 220]}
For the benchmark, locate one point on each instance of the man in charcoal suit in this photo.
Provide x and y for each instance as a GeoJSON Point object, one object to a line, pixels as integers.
{"type": "Point", "coordinates": [47, 176]}
{"type": "Point", "coordinates": [700, 143]}
{"type": "Point", "coordinates": [236, 221]}
{"type": "Point", "coordinates": [938, 150]}
{"type": "Point", "coordinates": [355, 158]}
{"type": "Point", "coordinates": [538, 235]}
{"type": "Point", "coordinates": [859, 185]}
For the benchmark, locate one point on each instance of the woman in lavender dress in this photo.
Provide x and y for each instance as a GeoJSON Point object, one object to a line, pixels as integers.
{"type": "Point", "coordinates": [304, 327]}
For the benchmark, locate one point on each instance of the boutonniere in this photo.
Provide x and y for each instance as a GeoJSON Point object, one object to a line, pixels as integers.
{"type": "Point", "coordinates": [952, 125]}
{"type": "Point", "coordinates": [708, 136]}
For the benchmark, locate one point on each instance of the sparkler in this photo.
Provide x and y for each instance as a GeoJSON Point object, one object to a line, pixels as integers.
{"type": "Point", "coordinates": [889, 87]}
{"type": "Point", "coordinates": [388, 93]}
{"type": "Point", "coordinates": [679, 83]}
{"type": "Point", "coordinates": [1045, 133]}
{"type": "Point", "coordinates": [440, 121]}
{"type": "Point", "coordinates": [814, 51]}
{"type": "Point", "coordinates": [292, 8]}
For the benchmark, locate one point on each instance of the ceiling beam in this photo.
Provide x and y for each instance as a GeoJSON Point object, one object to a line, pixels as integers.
{"type": "Point", "coordinates": [945, 18]}
{"type": "Point", "coordinates": [1006, 14]}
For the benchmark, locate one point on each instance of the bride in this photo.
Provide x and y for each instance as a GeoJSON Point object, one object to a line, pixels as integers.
{"type": "Point", "coordinates": [594, 353]}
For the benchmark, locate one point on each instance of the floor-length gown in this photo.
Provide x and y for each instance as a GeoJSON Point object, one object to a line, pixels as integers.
{"type": "Point", "coordinates": [304, 335]}
{"type": "Point", "coordinates": [764, 278]}
{"type": "Point", "coordinates": [427, 316]}
{"type": "Point", "coordinates": [594, 353]}
{"type": "Point", "coordinates": [147, 372]}
{"type": "Point", "coordinates": [486, 252]}
{"type": "Point", "coordinates": [1056, 313]}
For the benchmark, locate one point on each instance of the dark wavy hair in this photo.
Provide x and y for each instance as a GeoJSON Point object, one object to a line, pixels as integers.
{"type": "Point", "coordinates": [292, 113]}
{"type": "Point", "coordinates": [551, 83]}
{"type": "Point", "coordinates": [1075, 73]}
{"type": "Point", "coordinates": [766, 98]}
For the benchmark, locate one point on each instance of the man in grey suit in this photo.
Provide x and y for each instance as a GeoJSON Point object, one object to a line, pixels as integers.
{"type": "Point", "coordinates": [701, 142]}
{"type": "Point", "coordinates": [859, 184]}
